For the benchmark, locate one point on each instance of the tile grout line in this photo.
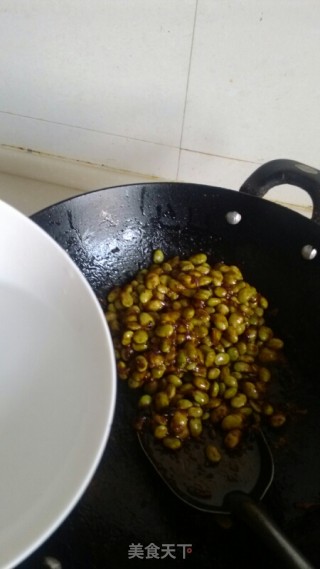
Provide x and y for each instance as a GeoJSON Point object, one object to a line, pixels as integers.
{"type": "Point", "coordinates": [94, 130]}
{"type": "Point", "coordinates": [187, 88]}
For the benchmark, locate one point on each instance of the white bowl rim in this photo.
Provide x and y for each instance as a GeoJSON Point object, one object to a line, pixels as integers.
{"type": "Point", "coordinates": [72, 498]}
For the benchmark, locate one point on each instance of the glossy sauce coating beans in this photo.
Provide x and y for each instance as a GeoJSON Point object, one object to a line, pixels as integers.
{"type": "Point", "coordinates": [193, 337]}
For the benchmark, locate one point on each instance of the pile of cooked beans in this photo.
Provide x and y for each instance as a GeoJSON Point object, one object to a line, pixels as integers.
{"type": "Point", "coordinates": [193, 338]}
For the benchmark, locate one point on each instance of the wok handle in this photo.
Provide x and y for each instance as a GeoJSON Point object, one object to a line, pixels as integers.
{"type": "Point", "coordinates": [257, 519]}
{"type": "Point", "coordinates": [278, 172]}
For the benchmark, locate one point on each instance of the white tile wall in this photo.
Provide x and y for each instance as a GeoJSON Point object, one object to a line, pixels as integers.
{"type": "Point", "coordinates": [187, 90]}
{"type": "Point", "coordinates": [113, 66]}
{"type": "Point", "coordinates": [214, 170]}
{"type": "Point", "coordinates": [31, 181]}
{"type": "Point", "coordinates": [254, 88]}
{"type": "Point", "coordinates": [110, 150]}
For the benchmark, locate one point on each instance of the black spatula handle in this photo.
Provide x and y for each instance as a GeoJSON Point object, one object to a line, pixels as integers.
{"type": "Point", "coordinates": [254, 516]}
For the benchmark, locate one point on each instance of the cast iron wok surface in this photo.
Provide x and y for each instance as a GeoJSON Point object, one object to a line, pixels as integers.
{"type": "Point", "coordinates": [110, 234]}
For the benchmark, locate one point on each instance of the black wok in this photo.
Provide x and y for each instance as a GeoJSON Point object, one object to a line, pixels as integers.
{"type": "Point", "coordinates": [110, 233]}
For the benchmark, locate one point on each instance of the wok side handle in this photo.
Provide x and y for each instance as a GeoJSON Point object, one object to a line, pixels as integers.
{"type": "Point", "coordinates": [258, 520]}
{"type": "Point", "coordinates": [283, 171]}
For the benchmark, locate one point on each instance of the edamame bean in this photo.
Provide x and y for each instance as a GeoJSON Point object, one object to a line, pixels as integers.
{"type": "Point", "coordinates": [194, 337]}
{"type": "Point", "coordinates": [213, 454]}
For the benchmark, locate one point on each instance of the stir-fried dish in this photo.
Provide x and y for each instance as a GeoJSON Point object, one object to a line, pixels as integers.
{"type": "Point", "coordinates": [193, 338]}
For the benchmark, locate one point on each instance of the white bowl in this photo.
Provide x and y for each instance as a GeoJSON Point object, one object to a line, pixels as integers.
{"type": "Point", "coordinates": [57, 385]}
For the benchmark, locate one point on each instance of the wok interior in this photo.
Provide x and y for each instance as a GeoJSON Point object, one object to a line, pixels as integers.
{"type": "Point", "coordinates": [111, 233]}
{"type": "Point", "coordinates": [249, 470]}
